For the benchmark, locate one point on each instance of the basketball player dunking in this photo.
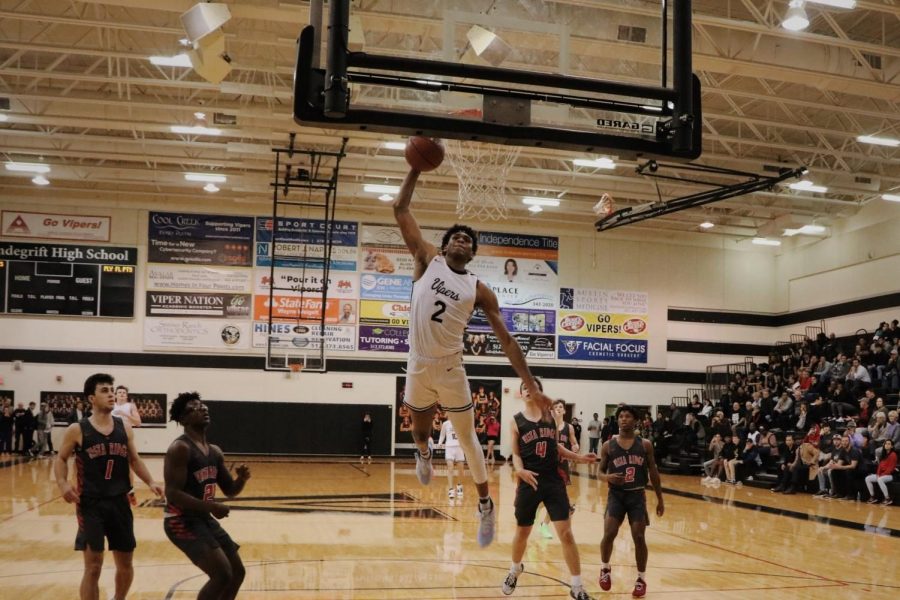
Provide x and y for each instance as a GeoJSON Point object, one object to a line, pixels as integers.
{"type": "Point", "coordinates": [193, 470]}
{"type": "Point", "coordinates": [443, 299]}
{"type": "Point", "coordinates": [626, 463]}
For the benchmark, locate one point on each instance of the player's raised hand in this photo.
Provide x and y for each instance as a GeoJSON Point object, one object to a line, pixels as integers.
{"type": "Point", "coordinates": [529, 477]}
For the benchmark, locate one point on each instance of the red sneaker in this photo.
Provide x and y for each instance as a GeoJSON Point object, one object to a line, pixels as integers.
{"type": "Point", "coordinates": [605, 579]}
{"type": "Point", "coordinates": [640, 588]}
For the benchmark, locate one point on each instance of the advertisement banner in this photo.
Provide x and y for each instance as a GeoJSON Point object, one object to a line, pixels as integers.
{"type": "Point", "coordinates": [301, 243]}
{"type": "Point", "coordinates": [199, 279]}
{"type": "Point", "coordinates": [296, 308]}
{"type": "Point", "coordinates": [70, 280]}
{"type": "Point", "coordinates": [517, 245]}
{"type": "Point", "coordinates": [523, 320]}
{"type": "Point", "coordinates": [197, 304]}
{"type": "Point", "coordinates": [292, 282]}
{"type": "Point", "coordinates": [217, 334]}
{"type": "Point", "coordinates": [199, 239]}
{"type": "Point", "coordinates": [385, 287]}
{"type": "Point", "coordinates": [525, 295]}
{"type": "Point", "coordinates": [17, 223]}
{"type": "Point", "coordinates": [604, 301]}
{"type": "Point", "coordinates": [378, 312]}
{"type": "Point", "coordinates": [385, 252]}
{"type": "Point", "coordinates": [383, 339]}
{"type": "Point", "coordinates": [304, 336]}
{"type": "Point", "coordinates": [600, 349]}
{"type": "Point", "coordinates": [602, 325]}
{"type": "Point", "coordinates": [506, 270]}
{"type": "Point", "coordinates": [486, 344]}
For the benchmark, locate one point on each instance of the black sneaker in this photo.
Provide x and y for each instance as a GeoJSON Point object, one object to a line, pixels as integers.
{"type": "Point", "coordinates": [579, 594]}
{"type": "Point", "coordinates": [509, 584]}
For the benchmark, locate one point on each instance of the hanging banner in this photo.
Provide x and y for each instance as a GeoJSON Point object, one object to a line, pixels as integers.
{"type": "Point", "coordinates": [301, 243]}
{"type": "Point", "coordinates": [304, 336]}
{"type": "Point", "coordinates": [199, 279]}
{"type": "Point", "coordinates": [487, 344]}
{"type": "Point", "coordinates": [588, 330]}
{"type": "Point", "coordinates": [383, 339]}
{"type": "Point", "coordinates": [199, 239]}
{"type": "Point", "coordinates": [17, 223]}
{"type": "Point", "coordinates": [197, 304]}
{"type": "Point", "coordinates": [377, 312]}
{"type": "Point", "coordinates": [297, 308]}
{"type": "Point", "coordinates": [216, 334]}
{"type": "Point", "coordinates": [294, 282]}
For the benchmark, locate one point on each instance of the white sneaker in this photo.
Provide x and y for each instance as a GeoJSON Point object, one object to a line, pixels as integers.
{"type": "Point", "coordinates": [424, 470]}
{"type": "Point", "coordinates": [451, 494]}
{"type": "Point", "coordinates": [509, 584]}
{"type": "Point", "coordinates": [459, 490]}
{"type": "Point", "coordinates": [487, 523]}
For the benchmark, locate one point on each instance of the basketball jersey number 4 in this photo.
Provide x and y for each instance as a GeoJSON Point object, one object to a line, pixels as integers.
{"type": "Point", "coordinates": [441, 307]}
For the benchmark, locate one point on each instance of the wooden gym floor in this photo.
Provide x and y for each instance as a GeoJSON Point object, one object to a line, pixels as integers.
{"type": "Point", "coordinates": [338, 530]}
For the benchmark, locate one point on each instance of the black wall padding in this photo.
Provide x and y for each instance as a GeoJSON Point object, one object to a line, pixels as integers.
{"type": "Point", "coordinates": [296, 428]}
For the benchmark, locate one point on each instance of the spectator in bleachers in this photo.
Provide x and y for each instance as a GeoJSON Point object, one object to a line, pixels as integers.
{"type": "Point", "coordinates": [877, 362]}
{"type": "Point", "coordinates": [822, 368]}
{"type": "Point", "coordinates": [878, 429]}
{"type": "Point", "coordinates": [879, 405]}
{"type": "Point", "coordinates": [843, 403]}
{"type": "Point", "coordinates": [829, 456]}
{"type": "Point", "coordinates": [713, 466]}
{"type": "Point", "coordinates": [862, 417]}
{"type": "Point", "coordinates": [857, 378]}
{"type": "Point", "coordinates": [783, 410]}
{"type": "Point", "coordinates": [844, 471]}
{"type": "Point", "coordinates": [721, 425]}
{"type": "Point", "coordinates": [706, 412]}
{"type": "Point", "coordinates": [832, 347]}
{"type": "Point", "coordinates": [893, 428]}
{"type": "Point", "coordinates": [892, 372]}
{"type": "Point", "coordinates": [856, 438]}
{"type": "Point", "coordinates": [748, 464]}
{"type": "Point", "coordinates": [787, 458]}
{"type": "Point", "coordinates": [839, 369]}
{"type": "Point", "coordinates": [884, 474]}
{"type": "Point", "coordinates": [804, 420]}
{"type": "Point", "coordinates": [731, 453]}
{"type": "Point", "coordinates": [768, 447]}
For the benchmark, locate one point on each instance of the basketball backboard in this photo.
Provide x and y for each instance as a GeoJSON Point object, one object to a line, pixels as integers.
{"type": "Point", "coordinates": [507, 80]}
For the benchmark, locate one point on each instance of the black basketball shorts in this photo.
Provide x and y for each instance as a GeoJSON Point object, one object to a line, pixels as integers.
{"type": "Point", "coordinates": [552, 494]}
{"type": "Point", "coordinates": [108, 518]}
{"type": "Point", "coordinates": [197, 535]}
{"type": "Point", "coordinates": [632, 503]}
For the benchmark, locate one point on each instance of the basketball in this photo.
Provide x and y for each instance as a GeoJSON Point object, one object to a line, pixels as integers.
{"type": "Point", "coordinates": [424, 154]}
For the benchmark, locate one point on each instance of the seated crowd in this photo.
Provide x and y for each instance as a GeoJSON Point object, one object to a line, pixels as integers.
{"type": "Point", "coordinates": [822, 418]}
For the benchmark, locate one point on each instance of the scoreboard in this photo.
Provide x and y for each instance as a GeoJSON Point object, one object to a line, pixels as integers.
{"type": "Point", "coordinates": [64, 279]}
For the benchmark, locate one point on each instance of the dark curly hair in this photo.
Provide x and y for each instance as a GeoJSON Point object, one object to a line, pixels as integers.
{"type": "Point", "coordinates": [630, 409]}
{"type": "Point", "coordinates": [464, 228]}
{"type": "Point", "coordinates": [179, 404]}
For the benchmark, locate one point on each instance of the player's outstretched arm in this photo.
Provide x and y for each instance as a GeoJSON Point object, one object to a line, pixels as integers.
{"type": "Point", "coordinates": [137, 464]}
{"type": "Point", "coordinates": [71, 439]}
{"type": "Point", "coordinates": [409, 228]}
{"type": "Point", "coordinates": [231, 486]}
{"type": "Point", "coordinates": [486, 300]}
{"type": "Point", "coordinates": [653, 472]}
{"type": "Point", "coordinates": [575, 457]}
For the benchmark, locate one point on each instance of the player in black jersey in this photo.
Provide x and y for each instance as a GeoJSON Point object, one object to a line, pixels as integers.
{"type": "Point", "coordinates": [566, 439]}
{"type": "Point", "coordinates": [626, 463]}
{"type": "Point", "coordinates": [193, 470]}
{"type": "Point", "coordinates": [104, 450]}
{"type": "Point", "coordinates": [536, 455]}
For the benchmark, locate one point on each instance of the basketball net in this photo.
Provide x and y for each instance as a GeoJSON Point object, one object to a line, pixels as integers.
{"type": "Point", "coordinates": [482, 170]}
{"type": "Point", "coordinates": [604, 206]}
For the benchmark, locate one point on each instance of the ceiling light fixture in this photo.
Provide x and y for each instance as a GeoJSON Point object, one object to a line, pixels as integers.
{"type": "Point", "coordinates": [385, 198]}
{"type": "Point", "coordinates": [394, 145]}
{"type": "Point", "coordinates": [40, 180]}
{"type": "Point", "coordinates": [597, 163]}
{"type": "Point", "coordinates": [795, 19]}
{"type": "Point", "coordinates": [878, 141]}
{"type": "Point", "coordinates": [200, 116]}
{"type": "Point", "coordinates": [534, 201]}
{"type": "Point", "coordinates": [836, 3]}
{"type": "Point", "coordinates": [3, 118]}
{"type": "Point", "coordinates": [179, 60]}
{"type": "Point", "coordinates": [195, 130]}
{"type": "Point", "coordinates": [23, 167]}
{"type": "Point", "coordinates": [535, 208]}
{"type": "Point", "coordinates": [808, 186]}
{"type": "Point", "coordinates": [707, 225]}
{"type": "Point", "coordinates": [378, 188]}
{"type": "Point", "coordinates": [211, 187]}
{"type": "Point", "coordinates": [891, 197]}
{"type": "Point", "coordinates": [205, 177]}
{"type": "Point", "coordinates": [766, 242]}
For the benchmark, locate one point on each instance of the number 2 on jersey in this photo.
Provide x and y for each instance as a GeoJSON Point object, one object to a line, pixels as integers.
{"type": "Point", "coordinates": [209, 492]}
{"type": "Point", "coordinates": [629, 474]}
{"type": "Point", "coordinates": [437, 314]}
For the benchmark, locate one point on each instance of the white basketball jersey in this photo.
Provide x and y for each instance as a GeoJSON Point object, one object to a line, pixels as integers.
{"type": "Point", "coordinates": [448, 435]}
{"type": "Point", "coordinates": [442, 304]}
{"type": "Point", "coordinates": [123, 411]}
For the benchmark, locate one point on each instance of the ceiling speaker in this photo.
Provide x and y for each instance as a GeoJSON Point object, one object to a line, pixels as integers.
{"type": "Point", "coordinates": [208, 58]}
{"type": "Point", "coordinates": [203, 19]}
